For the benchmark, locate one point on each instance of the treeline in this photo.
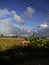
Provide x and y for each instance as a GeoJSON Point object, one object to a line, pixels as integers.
{"type": "Point", "coordinates": [9, 36]}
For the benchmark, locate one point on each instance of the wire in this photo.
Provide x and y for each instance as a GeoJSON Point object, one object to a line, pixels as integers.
{"type": "Point", "coordinates": [39, 6]}
{"type": "Point", "coordinates": [35, 5]}
{"type": "Point", "coordinates": [29, 4]}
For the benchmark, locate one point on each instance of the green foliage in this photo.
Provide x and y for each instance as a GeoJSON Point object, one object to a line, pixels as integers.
{"type": "Point", "coordinates": [31, 38]}
{"type": "Point", "coordinates": [44, 41]}
{"type": "Point", "coordinates": [35, 43]}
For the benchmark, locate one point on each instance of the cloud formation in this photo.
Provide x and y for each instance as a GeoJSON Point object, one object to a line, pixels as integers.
{"type": "Point", "coordinates": [17, 18]}
{"type": "Point", "coordinates": [7, 18]}
{"type": "Point", "coordinates": [43, 30]}
{"type": "Point", "coordinates": [44, 25]}
{"type": "Point", "coordinates": [5, 13]}
{"type": "Point", "coordinates": [28, 12]}
{"type": "Point", "coordinates": [9, 29]}
{"type": "Point", "coordinates": [6, 28]}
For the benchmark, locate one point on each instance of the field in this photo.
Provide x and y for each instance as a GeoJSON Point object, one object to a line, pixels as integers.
{"type": "Point", "coordinates": [14, 51]}
{"type": "Point", "coordinates": [6, 43]}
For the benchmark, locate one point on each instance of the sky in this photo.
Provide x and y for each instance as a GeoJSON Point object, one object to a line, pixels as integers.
{"type": "Point", "coordinates": [24, 17]}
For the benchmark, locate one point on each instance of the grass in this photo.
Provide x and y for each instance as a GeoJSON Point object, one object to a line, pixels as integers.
{"type": "Point", "coordinates": [12, 50]}
{"type": "Point", "coordinates": [6, 43]}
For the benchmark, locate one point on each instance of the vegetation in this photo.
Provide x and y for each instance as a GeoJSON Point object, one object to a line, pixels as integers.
{"type": "Point", "coordinates": [14, 50]}
{"type": "Point", "coordinates": [36, 43]}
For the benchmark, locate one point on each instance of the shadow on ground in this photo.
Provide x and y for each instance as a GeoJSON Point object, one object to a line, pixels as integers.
{"type": "Point", "coordinates": [26, 56]}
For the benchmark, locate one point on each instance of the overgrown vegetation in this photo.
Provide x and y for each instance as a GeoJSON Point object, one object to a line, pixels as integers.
{"type": "Point", "coordinates": [35, 43]}
{"type": "Point", "coordinates": [14, 49]}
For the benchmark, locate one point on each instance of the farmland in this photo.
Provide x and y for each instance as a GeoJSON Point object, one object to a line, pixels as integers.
{"type": "Point", "coordinates": [6, 43]}
{"type": "Point", "coordinates": [16, 51]}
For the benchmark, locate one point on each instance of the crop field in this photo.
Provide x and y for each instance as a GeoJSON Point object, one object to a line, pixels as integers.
{"type": "Point", "coordinates": [9, 42]}
{"type": "Point", "coordinates": [6, 43]}
{"type": "Point", "coordinates": [13, 50]}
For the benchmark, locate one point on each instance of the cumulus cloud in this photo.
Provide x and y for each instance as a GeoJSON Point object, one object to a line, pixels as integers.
{"type": "Point", "coordinates": [17, 18]}
{"type": "Point", "coordinates": [44, 25]}
{"type": "Point", "coordinates": [9, 29]}
{"type": "Point", "coordinates": [26, 31]}
{"type": "Point", "coordinates": [43, 30]}
{"type": "Point", "coordinates": [6, 28]}
{"type": "Point", "coordinates": [29, 12]}
{"type": "Point", "coordinates": [5, 13]}
{"type": "Point", "coordinates": [7, 17]}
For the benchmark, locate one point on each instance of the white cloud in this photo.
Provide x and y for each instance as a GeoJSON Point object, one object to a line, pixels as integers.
{"type": "Point", "coordinates": [26, 31]}
{"type": "Point", "coordinates": [5, 13]}
{"type": "Point", "coordinates": [7, 18]}
{"type": "Point", "coordinates": [18, 19]}
{"type": "Point", "coordinates": [42, 30]}
{"type": "Point", "coordinates": [7, 27]}
{"type": "Point", "coordinates": [44, 25]}
{"type": "Point", "coordinates": [29, 12]}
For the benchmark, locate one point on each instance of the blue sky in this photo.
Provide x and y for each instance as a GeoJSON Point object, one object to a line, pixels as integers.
{"type": "Point", "coordinates": [23, 16]}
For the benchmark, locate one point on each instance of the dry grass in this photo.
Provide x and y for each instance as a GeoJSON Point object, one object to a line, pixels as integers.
{"type": "Point", "coordinates": [6, 43]}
